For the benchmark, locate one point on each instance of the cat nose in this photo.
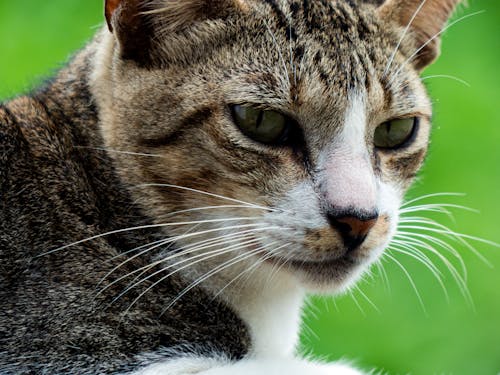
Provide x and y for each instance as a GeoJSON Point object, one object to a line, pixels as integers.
{"type": "Point", "coordinates": [353, 228]}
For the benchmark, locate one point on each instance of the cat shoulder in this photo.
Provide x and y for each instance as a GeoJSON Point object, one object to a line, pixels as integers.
{"type": "Point", "coordinates": [25, 138]}
{"type": "Point", "coordinates": [22, 121]}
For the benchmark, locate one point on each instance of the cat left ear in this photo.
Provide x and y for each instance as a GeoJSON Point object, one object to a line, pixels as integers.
{"type": "Point", "coordinates": [110, 8]}
{"type": "Point", "coordinates": [139, 24]}
{"type": "Point", "coordinates": [426, 19]}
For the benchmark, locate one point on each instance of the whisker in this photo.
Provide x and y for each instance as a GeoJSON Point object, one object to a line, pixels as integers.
{"type": "Point", "coordinates": [413, 238]}
{"type": "Point", "coordinates": [162, 241]}
{"type": "Point", "coordinates": [156, 244]}
{"type": "Point", "coordinates": [405, 31]}
{"type": "Point", "coordinates": [439, 210]}
{"type": "Point", "coordinates": [352, 295]}
{"type": "Point", "coordinates": [207, 208]}
{"type": "Point", "coordinates": [448, 231]}
{"type": "Point", "coordinates": [199, 233]}
{"type": "Point", "coordinates": [125, 253]}
{"type": "Point", "coordinates": [431, 39]}
{"type": "Point", "coordinates": [410, 236]}
{"type": "Point", "coordinates": [410, 279]}
{"type": "Point", "coordinates": [277, 267]}
{"type": "Point", "coordinates": [426, 196]}
{"type": "Point", "coordinates": [413, 252]}
{"type": "Point", "coordinates": [443, 208]}
{"type": "Point", "coordinates": [460, 237]}
{"type": "Point", "coordinates": [204, 257]}
{"type": "Point", "coordinates": [363, 294]}
{"type": "Point", "coordinates": [121, 152]}
{"type": "Point", "coordinates": [257, 263]}
{"type": "Point", "coordinates": [197, 246]}
{"type": "Point", "coordinates": [252, 205]}
{"type": "Point", "coordinates": [383, 273]}
{"type": "Point", "coordinates": [301, 64]}
{"type": "Point", "coordinates": [150, 226]}
{"type": "Point", "coordinates": [185, 250]}
{"type": "Point", "coordinates": [459, 279]}
{"type": "Point", "coordinates": [437, 206]}
{"type": "Point", "coordinates": [148, 267]}
{"type": "Point", "coordinates": [423, 259]}
{"type": "Point", "coordinates": [305, 327]}
{"type": "Point", "coordinates": [465, 83]}
{"type": "Point", "coordinates": [278, 49]}
{"type": "Point", "coordinates": [292, 65]}
{"type": "Point", "coordinates": [222, 267]}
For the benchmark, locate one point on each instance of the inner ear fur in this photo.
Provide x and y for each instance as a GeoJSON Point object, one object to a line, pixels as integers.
{"type": "Point", "coordinates": [429, 18]}
{"type": "Point", "coordinates": [136, 23]}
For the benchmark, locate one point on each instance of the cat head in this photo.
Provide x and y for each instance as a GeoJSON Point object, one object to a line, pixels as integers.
{"type": "Point", "coordinates": [270, 134]}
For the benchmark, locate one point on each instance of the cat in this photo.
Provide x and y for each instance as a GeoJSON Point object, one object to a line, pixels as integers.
{"type": "Point", "coordinates": [169, 198]}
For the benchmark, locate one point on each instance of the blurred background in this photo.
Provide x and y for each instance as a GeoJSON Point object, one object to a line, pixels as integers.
{"type": "Point", "coordinates": [385, 323]}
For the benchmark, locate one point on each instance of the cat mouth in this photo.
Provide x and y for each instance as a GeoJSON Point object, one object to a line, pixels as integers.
{"type": "Point", "coordinates": [330, 272]}
{"type": "Point", "coordinates": [309, 265]}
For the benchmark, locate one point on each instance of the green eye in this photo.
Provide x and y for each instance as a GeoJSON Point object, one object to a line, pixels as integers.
{"type": "Point", "coordinates": [393, 134]}
{"type": "Point", "coordinates": [267, 127]}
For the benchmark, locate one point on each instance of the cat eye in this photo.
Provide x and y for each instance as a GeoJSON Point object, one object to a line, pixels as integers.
{"type": "Point", "coordinates": [265, 126]}
{"type": "Point", "coordinates": [395, 133]}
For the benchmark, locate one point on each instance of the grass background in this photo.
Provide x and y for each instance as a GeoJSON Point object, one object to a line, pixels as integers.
{"type": "Point", "coordinates": [398, 335]}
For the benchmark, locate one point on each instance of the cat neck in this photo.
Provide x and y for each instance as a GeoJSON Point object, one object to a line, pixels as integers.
{"type": "Point", "coordinates": [270, 304]}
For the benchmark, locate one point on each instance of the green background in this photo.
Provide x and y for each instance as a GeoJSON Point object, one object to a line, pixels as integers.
{"type": "Point", "coordinates": [398, 335]}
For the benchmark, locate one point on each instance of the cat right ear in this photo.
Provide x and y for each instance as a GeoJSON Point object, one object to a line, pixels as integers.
{"type": "Point", "coordinates": [423, 20]}
{"type": "Point", "coordinates": [139, 24]}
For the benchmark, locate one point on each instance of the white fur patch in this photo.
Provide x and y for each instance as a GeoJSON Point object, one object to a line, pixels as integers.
{"type": "Point", "coordinates": [348, 173]}
{"type": "Point", "coordinates": [269, 303]}
{"type": "Point", "coordinates": [181, 366]}
{"type": "Point", "coordinates": [272, 313]}
{"type": "Point", "coordinates": [207, 366]}
{"type": "Point", "coordinates": [280, 367]}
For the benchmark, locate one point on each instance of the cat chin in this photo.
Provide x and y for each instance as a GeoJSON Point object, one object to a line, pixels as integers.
{"type": "Point", "coordinates": [326, 277]}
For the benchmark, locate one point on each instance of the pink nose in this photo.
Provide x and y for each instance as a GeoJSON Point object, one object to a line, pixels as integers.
{"type": "Point", "coordinates": [354, 229]}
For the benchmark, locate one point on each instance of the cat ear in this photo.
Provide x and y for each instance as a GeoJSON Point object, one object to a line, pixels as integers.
{"type": "Point", "coordinates": [425, 20]}
{"type": "Point", "coordinates": [137, 23]}
{"type": "Point", "coordinates": [131, 27]}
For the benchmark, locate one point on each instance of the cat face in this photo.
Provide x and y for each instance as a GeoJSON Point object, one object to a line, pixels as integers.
{"type": "Point", "coordinates": [277, 135]}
